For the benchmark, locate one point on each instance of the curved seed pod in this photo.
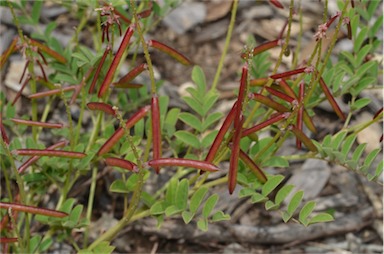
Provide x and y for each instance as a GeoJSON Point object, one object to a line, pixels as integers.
{"type": "Point", "coordinates": [39, 124]}
{"type": "Point", "coordinates": [272, 120]}
{"type": "Point", "coordinates": [51, 92]}
{"type": "Point", "coordinates": [179, 162]}
{"type": "Point", "coordinates": [101, 106]}
{"type": "Point", "coordinates": [269, 102]}
{"type": "Point", "coordinates": [234, 159]}
{"type": "Point", "coordinates": [331, 99]}
{"type": "Point", "coordinates": [156, 131]}
{"type": "Point", "coordinates": [253, 167]}
{"type": "Point", "coordinates": [8, 52]}
{"type": "Point", "coordinates": [303, 138]}
{"type": "Point", "coordinates": [220, 135]}
{"type": "Point", "coordinates": [33, 210]}
{"type": "Point", "coordinates": [50, 153]}
{"type": "Point", "coordinates": [169, 51]}
{"type": "Point", "coordinates": [98, 69]}
{"type": "Point", "coordinates": [133, 73]}
{"type": "Point", "coordinates": [119, 133]}
{"type": "Point", "coordinates": [33, 159]}
{"type": "Point", "coordinates": [115, 62]}
{"type": "Point", "coordinates": [121, 163]}
{"type": "Point", "coordinates": [48, 51]}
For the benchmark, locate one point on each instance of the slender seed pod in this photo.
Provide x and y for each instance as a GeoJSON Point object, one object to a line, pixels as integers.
{"type": "Point", "coordinates": [258, 82]}
{"type": "Point", "coordinates": [303, 138]}
{"type": "Point", "coordinates": [121, 163]}
{"type": "Point", "coordinates": [307, 119]}
{"type": "Point", "coordinates": [133, 73]}
{"type": "Point", "coordinates": [156, 128]}
{"type": "Point", "coordinates": [169, 51]}
{"type": "Point", "coordinates": [281, 95]}
{"type": "Point", "coordinates": [33, 159]}
{"type": "Point", "coordinates": [378, 113]}
{"type": "Point", "coordinates": [240, 97]}
{"type": "Point", "coordinates": [115, 62]}
{"type": "Point", "coordinates": [332, 19]}
{"type": "Point", "coordinates": [179, 162]}
{"type": "Point", "coordinates": [234, 159]}
{"type": "Point", "coordinates": [253, 167]}
{"type": "Point", "coordinates": [263, 47]}
{"type": "Point", "coordinates": [101, 106]}
{"type": "Point", "coordinates": [4, 135]}
{"type": "Point", "coordinates": [276, 3]}
{"type": "Point", "coordinates": [26, 81]}
{"type": "Point", "coordinates": [272, 120]}
{"type": "Point", "coordinates": [98, 69]}
{"type": "Point", "coordinates": [287, 74]}
{"type": "Point", "coordinates": [122, 16]}
{"type": "Point", "coordinates": [269, 102]}
{"type": "Point", "coordinates": [8, 52]}
{"type": "Point", "coordinates": [220, 135]}
{"type": "Point", "coordinates": [42, 70]}
{"type": "Point", "coordinates": [127, 85]}
{"type": "Point", "coordinates": [119, 133]}
{"type": "Point", "coordinates": [50, 153]}
{"type": "Point", "coordinates": [299, 118]}
{"type": "Point", "coordinates": [144, 14]}
{"type": "Point", "coordinates": [24, 70]}
{"type": "Point", "coordinates": [331, 99]}
{"type": "Point", "coordinates": [48, 51]}
{"type": "Point", "coordinates": [5, 240]}
{"type": "Point", "coordinates": [52, 92]}
{"type": "Point", "coordinates": [39, 124]}
{"type": "Point", "coordinates": [33, 210]}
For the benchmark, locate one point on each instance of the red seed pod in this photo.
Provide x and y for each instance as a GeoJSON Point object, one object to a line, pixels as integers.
{"type": "Point", "coordinates": [269, 102]}
{"type": "Point", "coordinates": [144, 14]}
{"type": "Point", "coordinates": [299, 118]}
{"type": "Point", "coordinates": [5, 240]}
{"type": "Point", "coordinates": [4, 135]}
{"type": "Point", "coordinates": [263, 47]}
{"type": "Point", "coordinates": [50, 153]}
{"type": "Point", "coordinates": [281, 95]}
{"type": "Point", "coordinates": [121, 163]}
{"type": "Point", "coordinates": [240, 97]}
{"type": "Point", "coordinates": [98, 69]}
{"type": "Point", "coordinates": [115, 62]}
{"type": "Point", "coordinates": [156, 131]}
{"type": "Point", "coordinates": [127, 85]}
{"type": "Point", "coordinates": [101, 106]}
{"type": "Point", "coordinates": [26, 81]}
{"type": "Point", "coordinates": [133, 73]}
{"type": "Point", "coordinates": [303, 138]}
{"type": "Point", "coordinates": [33, 159]}
{"type": "Point", "coordinates": [179, 162]}
{"type": "Point", "coordinates": [48, 51]}
{"type": "Point", "coordinates": [293, 72]}
{"type": "Point", "coordinates": [253, 167]}
{"type": "Point", "coordinates": [119, 133]}
{"type": "Point", "coordinates": [169, 51]}
{"type": "Point", "coordinates": [8, 52]}
{"type": "Point", "coordinates": [220, 135]}
{"type": "Point", "coordinates": [234, 159]}
{"type": "Point", "coordinates": [378, 113]}
{"type": "Point", "coordinates": [276, 3]}
{"type": "Point", "coordinates": [258, 82]}
{"type": "Point", "coordinates": [331, 99]}
{"type": "Point", "coordinates": [33, 210]}
{"type": "Point", "coordinates": [272, 120]}
{"type": "Point", "coordinates": [51, 92]}
{"type": "Point", "coordinates": [39, 124]}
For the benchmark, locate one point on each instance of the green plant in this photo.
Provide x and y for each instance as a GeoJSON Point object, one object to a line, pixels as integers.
{"type": "Point", "coordinates": [282, 102]}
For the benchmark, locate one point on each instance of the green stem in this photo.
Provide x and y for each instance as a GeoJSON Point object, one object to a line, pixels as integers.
{"type": "Point", "coordinates": [226, 45]}
{"type": "Point", "coordinates": [90, 204]}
